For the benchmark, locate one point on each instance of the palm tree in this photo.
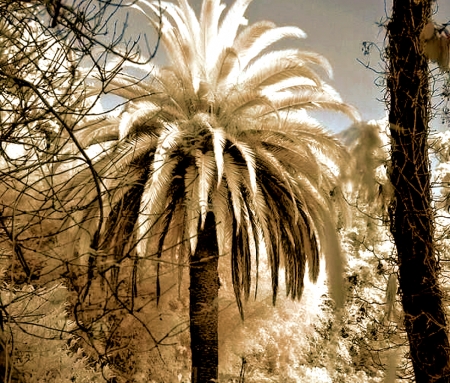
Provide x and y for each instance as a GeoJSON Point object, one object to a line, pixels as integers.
{"type": "Point", "coordinates": [216, 156]}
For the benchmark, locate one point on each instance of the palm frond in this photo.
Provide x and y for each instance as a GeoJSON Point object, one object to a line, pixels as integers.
{"type": "Point", "coordinates": [143, 117]}
{"type": "Point", "coordinates": [265, 40]}
{"type": "Point", "coordinates": [312, 100]}
{"type": "Point", "coordinates": [239, 103]}
{"type": "Point", "coordinates": [178, 49]}
{"type": "Point", "coordinates": [273, 165]}
{"type": "Point", "coordinates": [114, 163]}
{"type": "Point", "coordinates": [261, 74]}
{"type": "Point", "coordinates": [233, 174]}
{"type": "Point", "coordinates": [191, 185]}
{"type": "Point", "coordinates": [232, 21]}
{"type": "Point", "coordinates": [221, 209]}
{"type": "Point", "coordinates": [190, 19]}
{"type": "Point", "coordinates": [209, 20]}
{"type": "Point", "coordinates": [247, 37]}
{"type": "Point", "coordinates": [334, 264]}
{"type": "Point", "coordinates": [120, 224]}
{"type": "Point", "coordinates": [249, 157]}
{"type": "Point", "coordinates": [133, 88]}
{"type": "Point", "coordinates": [206, 168]}
{"type": "Point", "coordinates": [219, 141]}
{"type": "Point", "coordinates": [100, 130]}
{"type": "Point", "coordinates": [153, 202]}
{"type": "Point", "coordinates": [225, 64]}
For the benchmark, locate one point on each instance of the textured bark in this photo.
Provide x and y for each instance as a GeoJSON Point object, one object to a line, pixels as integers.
{"type": "Point", "coordinates": [411, 211]}
{"type": "Point", "coordinates": [203, 307]}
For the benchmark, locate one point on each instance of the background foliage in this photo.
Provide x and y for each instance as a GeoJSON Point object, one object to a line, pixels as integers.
{"type": "Point", "coordinates": [41, 339]}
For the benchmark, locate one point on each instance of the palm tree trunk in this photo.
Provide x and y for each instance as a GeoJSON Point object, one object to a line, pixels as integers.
{"type": "Point", "coordinates": [203, 306]}
{"type": "Point", "coordinates": [412, 219]}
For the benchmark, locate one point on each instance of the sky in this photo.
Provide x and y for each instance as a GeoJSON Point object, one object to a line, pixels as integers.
{"type": "Point", "coordinates": [337, 29]}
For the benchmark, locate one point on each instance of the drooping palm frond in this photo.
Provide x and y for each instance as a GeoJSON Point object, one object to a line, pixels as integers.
{"type": "Point", "coordinates": [224, 129]}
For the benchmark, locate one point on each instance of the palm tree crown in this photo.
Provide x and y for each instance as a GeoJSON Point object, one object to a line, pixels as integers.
{"type": "Point", "coordinates": [222, 130]}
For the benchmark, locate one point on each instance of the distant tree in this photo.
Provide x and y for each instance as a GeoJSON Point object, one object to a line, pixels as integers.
{"type": "Point", "coordinates": [411, 211]}
{"type": "Point", "coordinates": [214, 155]}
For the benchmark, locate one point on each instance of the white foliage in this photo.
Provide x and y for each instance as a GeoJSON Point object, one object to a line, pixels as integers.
{"type": "Point", "coordinates": [37, 331]}
{"type": "Point", "coordinates": [437, 45]}
{"type": "Point", "coordinates": [368, 144]}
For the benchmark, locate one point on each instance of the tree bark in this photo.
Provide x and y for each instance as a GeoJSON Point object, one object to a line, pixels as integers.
{"type": "Point", "coordinates": [412, 218]}
{"type": "Point", "coordinates": [203, 306]}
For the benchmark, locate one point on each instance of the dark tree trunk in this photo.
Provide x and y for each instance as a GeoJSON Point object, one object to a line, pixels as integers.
{"type": "Point", "coordinates": [411, 212]}
{"type": "Point", "coordinates": [203, 307]}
